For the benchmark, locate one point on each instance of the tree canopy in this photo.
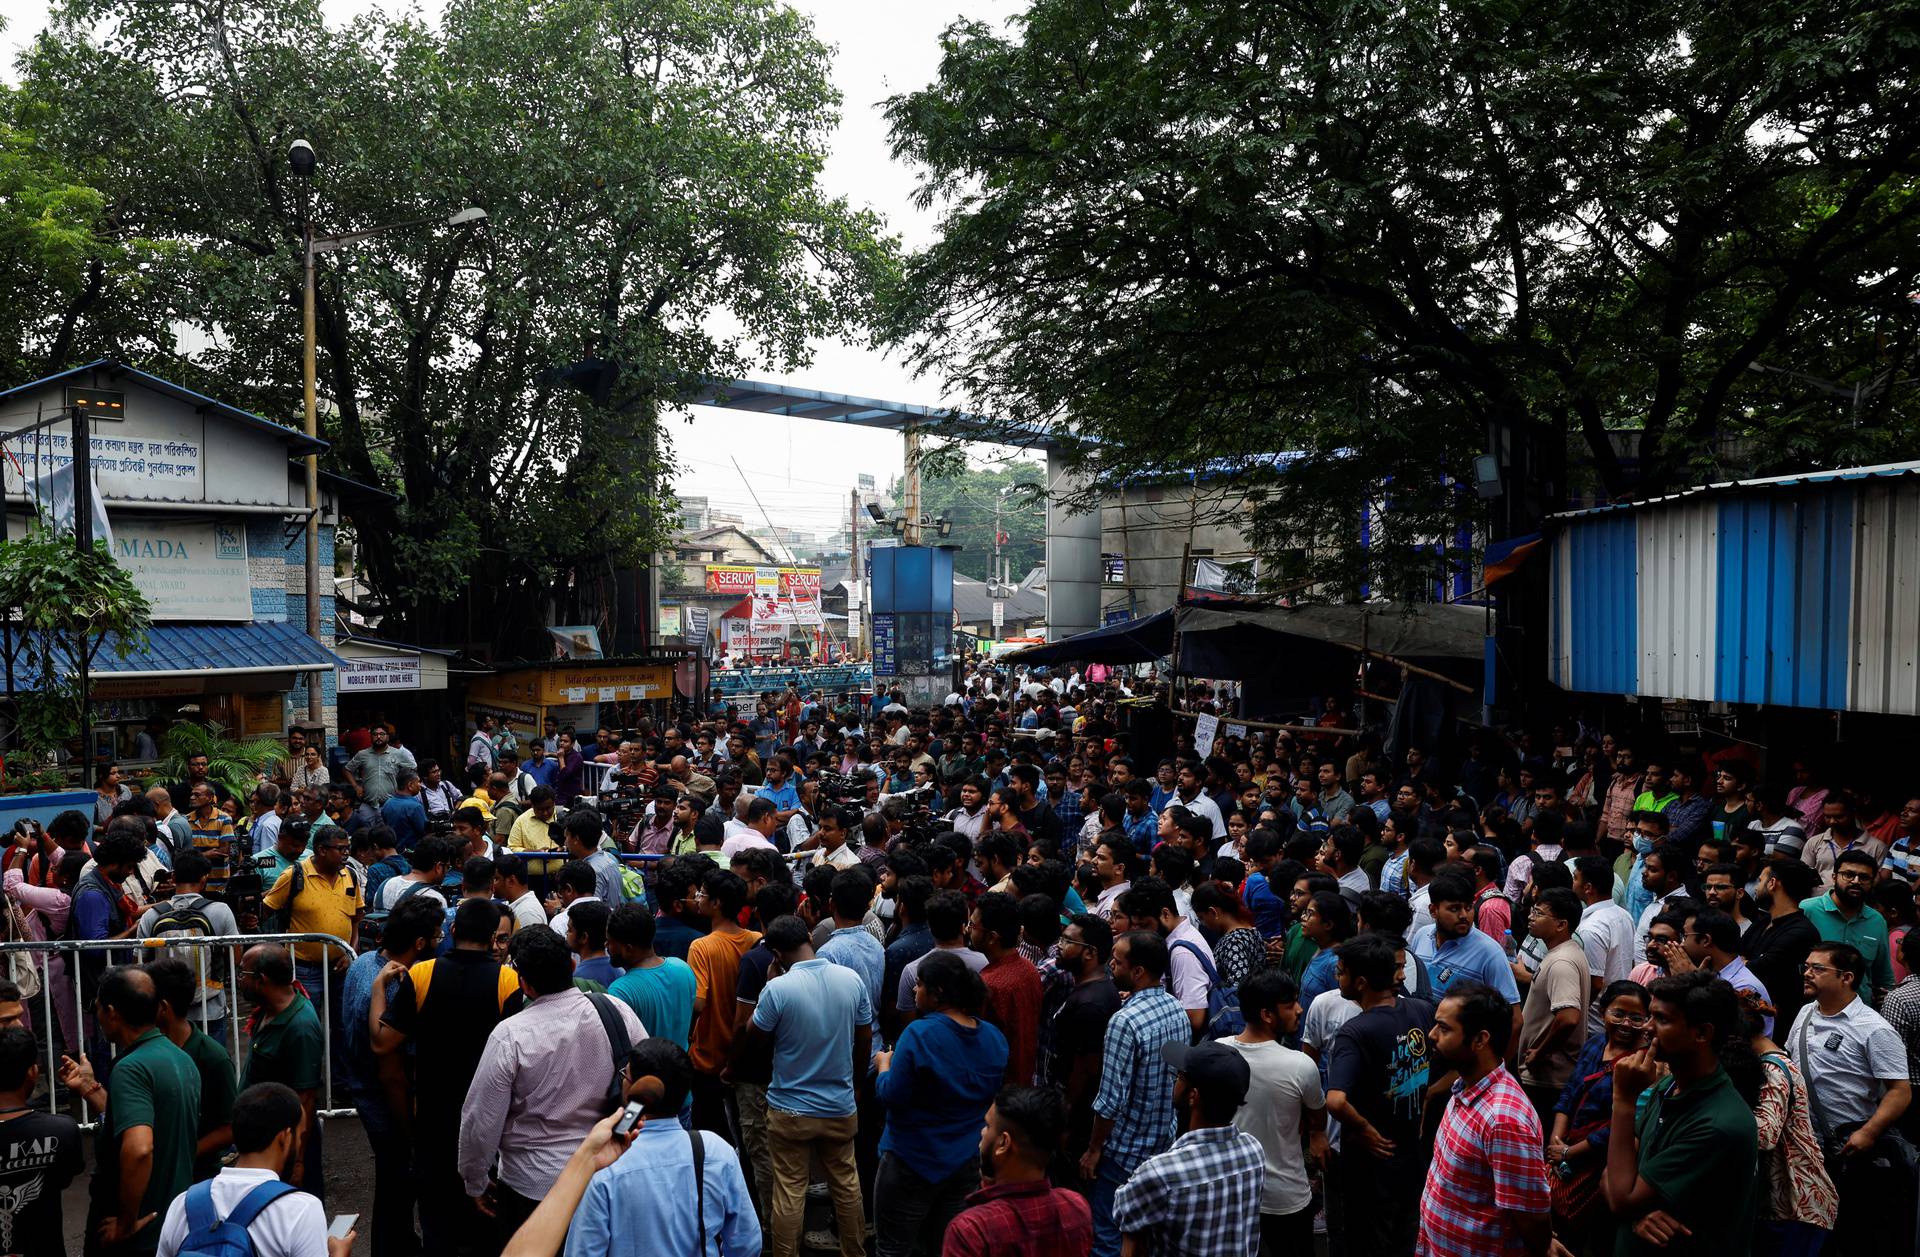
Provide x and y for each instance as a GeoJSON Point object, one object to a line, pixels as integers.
{"type": "Point", "coordinates": [650, 173]}
{"type": "Point", "coordinates": [1336, 250]}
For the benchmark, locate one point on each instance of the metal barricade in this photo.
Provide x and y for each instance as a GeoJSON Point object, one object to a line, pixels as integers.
{"type": "Point", "coordinates": [135, 950]}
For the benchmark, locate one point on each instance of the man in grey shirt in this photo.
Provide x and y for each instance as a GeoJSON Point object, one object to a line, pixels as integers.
{"type": "Point", "coordinates": [374, 772]}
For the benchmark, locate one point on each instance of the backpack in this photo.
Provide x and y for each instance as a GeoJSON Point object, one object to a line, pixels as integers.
{"type": "Point", "coordinates": [1224, 1018]}
{"type": "Point", "coordinates": [209, 1235]}
{"type": "Point", "coordinates": [633, 887]}
{"type": "Point", "coordinates": [373, 922]}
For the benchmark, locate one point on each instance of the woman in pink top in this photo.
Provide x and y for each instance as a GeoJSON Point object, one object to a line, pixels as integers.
{"type": "Point", "coordinates": [1807, 798]}
{"type": "Point", "coordinates": [41, 912]}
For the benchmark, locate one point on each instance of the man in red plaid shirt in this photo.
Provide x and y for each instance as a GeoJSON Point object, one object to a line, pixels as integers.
{"type": "Point", "coordinates": [1017, 1212]}
{"type": "Point", "coordinates": [1487, 1190]}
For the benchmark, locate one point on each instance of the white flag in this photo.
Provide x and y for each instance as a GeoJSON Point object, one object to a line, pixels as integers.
{"type": "Point", "coordinates": [52, 496]}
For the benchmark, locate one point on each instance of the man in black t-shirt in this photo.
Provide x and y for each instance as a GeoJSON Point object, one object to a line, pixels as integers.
{"type": "Point", "coordinates": [1377, 1077]}
{"type": "Point", "coordinates": [39, 1155]}
{"type": "Point", "coordinates": [1080, 1029]}
{"type": "Point", "coordinates": [445, 1008]}
{"type": "Point", "coordinates": [750, 1060]}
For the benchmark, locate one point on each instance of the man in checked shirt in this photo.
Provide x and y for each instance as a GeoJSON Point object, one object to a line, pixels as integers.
{"type": "Point", "coordinates": [1201, 1197]}
{"type": "Point", "coordinates": [1133, 1110]}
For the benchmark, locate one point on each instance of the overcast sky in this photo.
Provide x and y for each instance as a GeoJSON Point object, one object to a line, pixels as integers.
{"type": "Point", "coordinates": [801, 470]}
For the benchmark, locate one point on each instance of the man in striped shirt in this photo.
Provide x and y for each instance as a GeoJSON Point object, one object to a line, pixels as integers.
{"type": "Point", "coordinates": [1487, 1192]}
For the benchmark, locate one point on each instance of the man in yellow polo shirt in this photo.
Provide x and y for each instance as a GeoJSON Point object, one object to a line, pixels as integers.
{"type": "Point", "coordinates": [321, 895]}
{"type": "Point", "coordinates": [531, 828]}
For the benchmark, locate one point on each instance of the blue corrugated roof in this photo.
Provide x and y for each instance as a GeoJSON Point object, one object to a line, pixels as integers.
{"type": "Point", "coordinates": [1796, 480]}
{"type": "Point", "coordinates": [185, 648]}
{"type": "Point", "coordinates": [296, 440]}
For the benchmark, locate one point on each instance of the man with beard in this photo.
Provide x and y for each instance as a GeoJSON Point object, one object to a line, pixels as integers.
{"type": "Point", "coordinates": [1202, 1195]}
{"type": "Point", "coordinates": [266, 1134]}
{"type": "Point", "coordinates": [1080, 1026]}
{"type": "Point", "coordinates": [1377, 1075]}
{"type": "Point", "coordinates": [1486, 1192]}
{"type": "Point", "coordinates": [1842, 916]}
{"type": "Point", "coordinates": [1778, 946]}
{"type": "Point", "coordinates": [1687, 1184]}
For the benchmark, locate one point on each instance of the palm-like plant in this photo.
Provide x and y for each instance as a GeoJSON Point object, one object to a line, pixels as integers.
{"type": "Point", "coordinates": [235, 764]}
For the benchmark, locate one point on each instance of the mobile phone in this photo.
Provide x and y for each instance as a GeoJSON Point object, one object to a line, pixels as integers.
{"type": "Point", "coordinates": [629, 1118]}
{"type": "Point", "coordinates": [343, 1224]}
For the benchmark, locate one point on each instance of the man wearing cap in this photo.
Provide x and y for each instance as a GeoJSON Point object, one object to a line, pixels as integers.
{"type": "Point", "coordinates": [1202, 1195]}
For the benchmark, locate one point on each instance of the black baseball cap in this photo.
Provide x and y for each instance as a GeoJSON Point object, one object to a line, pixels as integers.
{"type": "Point", "coordinates": [1214, 1068]}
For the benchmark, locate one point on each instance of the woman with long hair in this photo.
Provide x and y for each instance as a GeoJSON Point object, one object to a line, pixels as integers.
{"type": "Point", "coordinates": [38, 913]}
{"type": "Point", "coordinates": [936, 1086]}
{"type": "Point", "coordinates": [1239, 949]}
{"type": "Point", "coordinates": [1583, 1120]}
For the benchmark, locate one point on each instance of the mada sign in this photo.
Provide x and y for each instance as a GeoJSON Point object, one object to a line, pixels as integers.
{"type": "Point", "coordinates": [188, 570]}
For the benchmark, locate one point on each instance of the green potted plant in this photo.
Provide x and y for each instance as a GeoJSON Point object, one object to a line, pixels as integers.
{"type": "Point", "coordinates": [236, 764]}
{"type": "Point", "coordinates": [66, 605]}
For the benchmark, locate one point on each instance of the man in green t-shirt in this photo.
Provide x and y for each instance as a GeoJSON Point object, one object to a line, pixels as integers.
{"type": "Point", "coordinates": [152, 1118]}
{"type": "Point", "coordinates": [1688, 1188]}
{"type": "Point", "coordinates": [289, 1047]}
{"type": "Point", "coordinates": [178, 987]}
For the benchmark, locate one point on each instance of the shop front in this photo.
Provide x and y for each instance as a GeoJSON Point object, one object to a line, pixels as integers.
{"type": "Point", "coordinates": [401, 686]}
{"type": "Point", "coordinates": [583, 695]}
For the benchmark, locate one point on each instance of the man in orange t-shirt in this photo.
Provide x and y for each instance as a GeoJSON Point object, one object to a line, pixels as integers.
{"type": "Point", "coordinates": [715, 959]}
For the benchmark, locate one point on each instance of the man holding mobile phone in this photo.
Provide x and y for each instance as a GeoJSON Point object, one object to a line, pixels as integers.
{"type": "Point", "coordinates": [267, 1123]}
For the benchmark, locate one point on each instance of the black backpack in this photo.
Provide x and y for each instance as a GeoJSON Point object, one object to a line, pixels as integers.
{"type": "Point", "coordinates": [373, 922]}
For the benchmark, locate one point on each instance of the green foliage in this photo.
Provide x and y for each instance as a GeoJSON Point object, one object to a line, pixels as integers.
{"type": "Point", "coordinates": [235, 764]}
{"type": "Point", "coordinates": [651, 176]}
{"type": "Point", "coordinates": [68, 604]}
{"type": "Point", "coordinates": [1378, 239]}
{"type": "Point", "coordinates": [967, 496]}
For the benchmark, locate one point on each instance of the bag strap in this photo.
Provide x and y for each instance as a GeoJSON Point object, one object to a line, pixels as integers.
{"type": "Point", "coordinates": [1213, 975]}
{"type": "Point", "coordinates": [617, 1040]}
{"type": "Point", "coordinates": [258, 1199]}
{"type": "Point", "coordinates": [200, 1214]}
{"type": "Point", "coordinates": [1818, 1109]}
{"type": "Point", "coordinates": [1778, 1061]}
{"type": "Point", "coordinates": [700, 1190]}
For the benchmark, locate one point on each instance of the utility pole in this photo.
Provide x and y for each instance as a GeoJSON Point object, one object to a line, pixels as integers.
{"type": "Point", "coordinates": [309, 389]}
{"type": "Point", "coordinates": [83, 541]}
{"type": "Point", "coordinates": [911, 506]}
{"type": "Point", "coordinates": [856, 577]}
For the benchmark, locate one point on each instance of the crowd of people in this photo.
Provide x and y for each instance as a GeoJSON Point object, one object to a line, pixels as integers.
{"type": "Point", "coordinates": [996, 976]}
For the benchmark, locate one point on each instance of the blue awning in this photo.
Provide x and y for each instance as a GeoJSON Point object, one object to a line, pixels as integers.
{"type": "Point", "coordinates": [180, 649]}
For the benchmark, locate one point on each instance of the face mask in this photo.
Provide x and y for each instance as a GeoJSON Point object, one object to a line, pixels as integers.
{"type": "Point", "coordinates": [1643, 845]}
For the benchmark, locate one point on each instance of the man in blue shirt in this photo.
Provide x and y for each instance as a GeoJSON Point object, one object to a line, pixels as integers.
{"type": "Point", "coordinates": [780, 788]}
{"type": "Point", "coordinates": [645, 1201]}
{"type": "Point", "coordinates": [403, 811]}
{"type": "Point", "coordinates": [851, 944]}
{"type": "Point", "coordinates": [1454, 951]}
{"type": "Point", "coordinates": [820, 1020]}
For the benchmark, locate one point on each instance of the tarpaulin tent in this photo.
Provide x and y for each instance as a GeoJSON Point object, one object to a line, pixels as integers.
{"type": "Point", "coordinates": [1420, 631]}
{"type": "Point", "coordinates": [1135, 641]}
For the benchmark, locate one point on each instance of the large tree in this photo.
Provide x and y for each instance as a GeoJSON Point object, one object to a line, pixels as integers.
{"type": "Point", "coordinates": [1337, 249]}
{"type": "Point", "coordinates": [650, 170]}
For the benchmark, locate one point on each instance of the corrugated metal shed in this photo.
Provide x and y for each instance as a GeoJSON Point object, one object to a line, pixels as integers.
{"type": "Point", "coordinates": [1795, 591]}
{"type": "Point", "coordinates": [182, 649]}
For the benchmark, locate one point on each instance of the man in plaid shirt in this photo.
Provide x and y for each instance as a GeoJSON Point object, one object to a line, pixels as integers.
{"type": "Point", "coordinates": [1017, 1212]}
{"type": "Point", "coordinates": [1133, 1110]}
{"type": "Point", "coordinates": [1201, 1197]}
{"type": "Point", "coordinates": [1487, 1190]}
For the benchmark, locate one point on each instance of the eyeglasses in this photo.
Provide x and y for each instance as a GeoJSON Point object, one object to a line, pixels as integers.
{"type": "Point", "coordinates": [1810, 967]}
{"type": "Point", "coordinates": [1627, 1018]}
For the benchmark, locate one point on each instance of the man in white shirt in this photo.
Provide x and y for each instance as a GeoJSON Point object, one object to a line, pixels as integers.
{"type": "Point", "coordinates": [1150, 902]}
{"type": "Point", "coordinates": [1661, 873]}
{"type": "Point", "coordinates": [1283, 1099]}
{"type": "Point", "coordinates": [266, 1123]}
{"type": "Point", "coordinates": [1855, 1063]}
{"type": "Point", "coordinates": [1606, 931]}
{"type": "Point", "coordinates": [510, 884]}
{"type": "Point", "coordinates": [1189, 795]}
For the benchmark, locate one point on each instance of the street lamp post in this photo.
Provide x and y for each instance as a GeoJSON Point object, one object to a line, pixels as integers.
{"type": "Point", "coordinates": [301, 157]}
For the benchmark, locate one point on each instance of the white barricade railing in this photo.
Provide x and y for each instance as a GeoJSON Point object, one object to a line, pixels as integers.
{"type": "Point", "coordinates": [121, 951]}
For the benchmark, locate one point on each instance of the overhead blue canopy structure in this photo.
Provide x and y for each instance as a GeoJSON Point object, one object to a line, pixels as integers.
{"type": "Point", "coordinates": [861, 412]}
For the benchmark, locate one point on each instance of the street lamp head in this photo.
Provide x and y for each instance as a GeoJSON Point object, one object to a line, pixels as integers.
{"type": "Point", "coordinates": [471, 214]}
{"type": "Point", "coordinates": [301, 157]}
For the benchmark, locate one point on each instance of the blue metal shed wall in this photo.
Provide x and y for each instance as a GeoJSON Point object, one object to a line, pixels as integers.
{"type": "Point", "coordinates": [1597, 625]}
{"type": "Point", "coordinates": [1786, 608]}
{"type": "Point", "coordinates": [1886, 598]}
